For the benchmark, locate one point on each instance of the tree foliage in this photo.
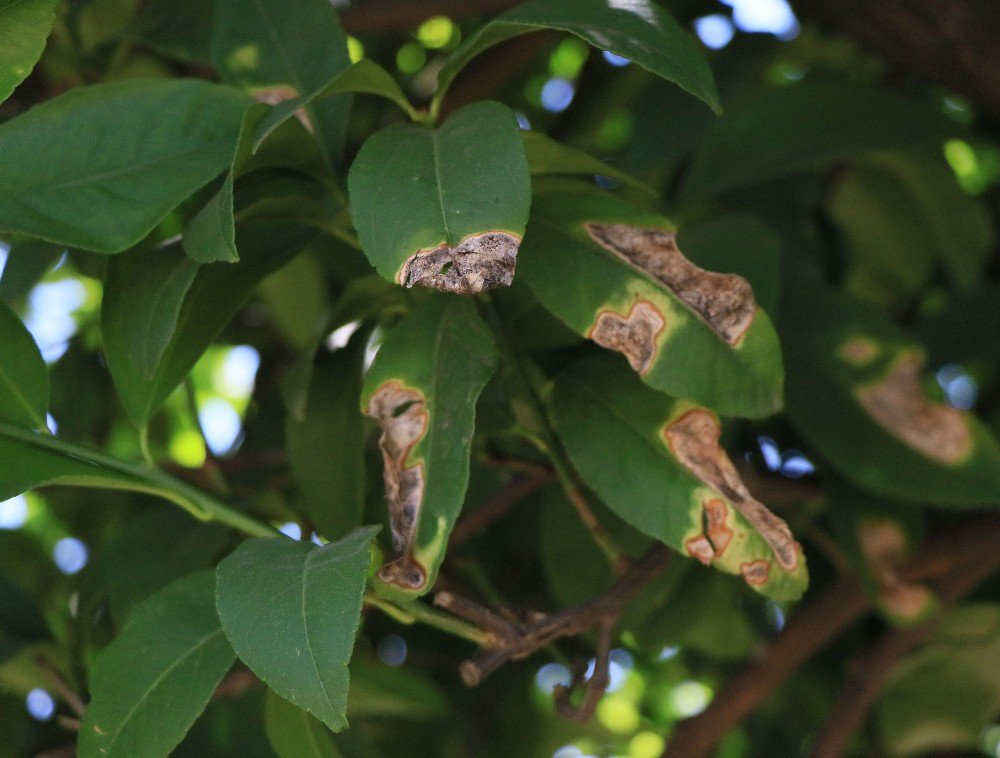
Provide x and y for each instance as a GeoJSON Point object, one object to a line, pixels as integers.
{"type": "Point", "coordinates": [343, 374]}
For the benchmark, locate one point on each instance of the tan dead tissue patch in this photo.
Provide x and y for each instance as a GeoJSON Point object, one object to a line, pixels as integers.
{"type": "Point", "coordinates": [716, 534]}
{"type": "Point", "coordinates": [724, 301]}
{"type": "Point", "coordinates": [884, 547]}
{"type": "Point", "coordinates": [860, 351]}
{"type": "Point", "coordinates": [898, 405]}
{"type": "Point", "coordinates": [633, 335]}
{"type": "Point", "coordinates": [755, 572]}
{"type": "Point", "coordinates": [694, 440]}
{"type": "Point", "coordinates": [402, 414]}
{"type": "Point", "coordinates": [478, 263]}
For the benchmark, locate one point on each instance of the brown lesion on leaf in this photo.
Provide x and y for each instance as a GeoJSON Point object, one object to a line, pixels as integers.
{"type": "Point", "coordinates": [402, 414]}
{"type": "Point", "coordinates": [716, 534]}
{"type": "Point", "coordinates": [633, 334]}
{"type": "Point", "coordinates": [478, 263]}
{"type": "Point", "coordinates": [898, 405]}
{"type": "Point", "coordinates": [860, 351]}
{"type": "Point", "coordinates": [724, 301]}
{"type": "Point", "coordinates": [693, 438]}
{"type": "Point", "coordinates": [755, 572]}
{"type": "Point", "coordinates": [883, 544]}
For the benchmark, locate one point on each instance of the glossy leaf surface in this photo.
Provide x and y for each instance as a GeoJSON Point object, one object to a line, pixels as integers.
{"type": "Point", "coordinates": [639, 30]}
{"type": "Point", "coordinates": [422, 389]}
{"type": "Point", "coordinates": [444, 208]}
{"type": "Point", "coordinates": [613, 273]}
{"type": "Point", "coordinates": [291, 610]}
{"type": "Point", "coordinates": [98, 167]}
{"type": "Point", "coordinates": [152, 681]}
{"type": "Point", "coordinates": [657, 463]}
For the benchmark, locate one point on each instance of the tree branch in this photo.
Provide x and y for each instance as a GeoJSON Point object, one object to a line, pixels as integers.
{"type": "Point", "coordinates": [952, 563]}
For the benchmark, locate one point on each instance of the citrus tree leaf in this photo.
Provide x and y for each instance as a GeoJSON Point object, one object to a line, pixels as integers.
{"type": "Point", "coordinates": [804, 127]}
{"type": "Point", "coordinates": [657, 463]}
{"type": "Point", "coordinates": [854, 392]}
{"type": "Point", "coordinates": [326, 447]}
{"type": "Point", "coordinates": [27, 262]}
{"type": "Point", "coordinates": [444, 208]}
{"type": "Point", "coordinates": [210, 235]}
{"type": "Point", "coordinates": [161, 309]}
{"type": "Point", "coordinates": [364, 77]}
{"type": "Point", "coordinates": [154, 679]}
{"type": "Point", "coordinates": [547, 156]}
{"type": "Point", "coordinates": [291, 610]}
{"type": "Point", "coordinates": [614, 274]}
{"type": "Point", "coordinates": [98, 167]}
{"type": "Point", "coordinates": [638, 29]}
{"type": "Point", "coordinates": [422, 390]}
{"type": "Point", "coordinates": [384, 692]}
{"type": "Point", "coordinates": [24, 27]}
{"type": "Point", "coordinates": [295, 733]}
{"type": "Point", "coordinates": [21, 622]}
{"type": "Point", "coordinates": [279, 50]}
{"type": "Point", "coordinates": [24, 381]}
{"type": "Point", "coordinates": [943, 695]}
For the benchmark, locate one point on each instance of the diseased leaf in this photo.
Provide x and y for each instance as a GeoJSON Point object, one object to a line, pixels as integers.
{"type": "Point", "coordinates": [98, 167]}
{"type": "Point", "coordinates": [295, 733]}
{"type": "Point", "coordinates": [854, 392]}
{"type": "Point", "coordinates": [326, 447]}
{"type": "Point", "coordinates": [422, 390]}
{"type": "Point", "coordinates": [291, 610]}
{"type": "Point", "coordinates": [808, 126]}
{"type": "Point", "coordinates": [364, 77]}
{"type": "Point", "coordinates": [614, 274]}
{"type": "Point", "coordinates": [286, 49]}
{"type": "Point", "coordinates": [546, 156]}
{"type": "Point", "coordinates": [24, 381]}
{"type": "Point", "coordinates": [657, 463]}
{"type": "Point", "coordinates": [162, 310]}
{"type": "Point", "coordinates": [640, 30]}
{"type": "Point", "coordinates": [151, 683]}
{"type": "Point", "coordinates": [24, 27]}
{"type": "Point", "coordinates": [444, 208]}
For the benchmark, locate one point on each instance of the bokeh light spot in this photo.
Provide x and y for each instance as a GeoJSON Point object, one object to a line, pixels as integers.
{"type": "Point", "coordinates": [392, 650]}
{"type": "Point", "coordinates": [70, 555]}
{"type": "Point", "coordinates": [14, 512]}
{"type": "Point", "coordinates": [40, 705]}
{"type": "Point", "coordinates": [715, 31]}
{"type": "Point", "coordinates": [557, 94]}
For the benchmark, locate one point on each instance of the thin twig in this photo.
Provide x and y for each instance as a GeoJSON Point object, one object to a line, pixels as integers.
{"type": "Point", "coordinates": [595, 685]}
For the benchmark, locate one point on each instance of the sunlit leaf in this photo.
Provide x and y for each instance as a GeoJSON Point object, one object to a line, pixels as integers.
{"type": "Point", "coordinates": [291, 610]}
{"type": "Point", "coordinates": [422, 390]}
{"type": "Point", "coordinates": [152, 681]}
{"type": "Point", "coordinates": [444, 208]}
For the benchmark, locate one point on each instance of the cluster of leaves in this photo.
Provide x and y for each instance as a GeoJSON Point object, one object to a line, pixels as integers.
{"type": "Point", "coordinates": [522, 318]}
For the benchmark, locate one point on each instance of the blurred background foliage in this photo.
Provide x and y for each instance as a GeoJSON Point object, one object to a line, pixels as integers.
{"type": "Point", "coordinates": [881, 182]}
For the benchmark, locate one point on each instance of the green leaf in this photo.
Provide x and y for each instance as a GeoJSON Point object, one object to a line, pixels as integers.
{"type": "Point", "coordinates": [27, 262]}
{"type": "Point", "coordinates": [155, 678]}
{"type": "Point", "coordinates": [180, 29]}
{"type": "Point", "coordinates": [21, 623]}
{"type": "Point", "coordinates": [365, 76]}
{"type": "Point", "coordinates": [613, 273]}
{"type": "Point", "coordinates": [210, 235]}
{"type": "Point", "coordinates": [162, 310]}
{"type": "Point", "coordinates": [99, 167]}
{"type": "Point", "coordinates": [657, 463]}
{"type": "Point", "coordinates": [854, 393]}
{"type": "Point", "coordinates": [290, 49]}
{"type": "Point", "coordinates": [444, 208]}
{"type": "Point", "coordinates": [546, 156]}
{"type": "Point", "coordinates": [638, 29]}
{"type": "Point", "coordinates": [326, 447]}
{"type": "Point", "coordinates": [384, 692]}
{"type": "Point", "coordinates": [291, 610]}
{"type": "Point", "coordinates": [296, 296]}
{"type": "Point", "coordinates": [24, 381]}
{"type": "Point", "coordinates": [808, 126]}
{"type": "Point", "coordinates": [422, 389]}
{"type": "Point", "coordinates": [295, 733]}
{"type": "Point", "coordinates": [24, 27]}
{"type": "Point", "coordinates": [941, 697]}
